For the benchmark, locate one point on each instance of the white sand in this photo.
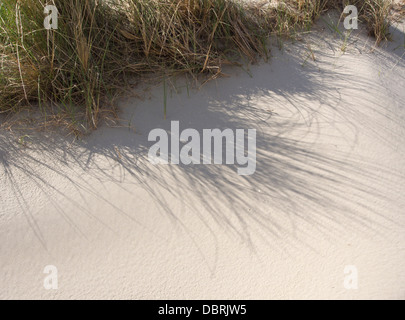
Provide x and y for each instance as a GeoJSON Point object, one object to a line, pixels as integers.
{"type": "Point", "coordinates": [329, 190]}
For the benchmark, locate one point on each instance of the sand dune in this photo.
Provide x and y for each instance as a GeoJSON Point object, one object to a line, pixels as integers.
{"type": "Point", "coordinates": [328, 191]}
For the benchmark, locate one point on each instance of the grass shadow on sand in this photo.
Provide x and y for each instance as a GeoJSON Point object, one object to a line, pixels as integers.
{"type": "Point", "coordinates": [309, 128]}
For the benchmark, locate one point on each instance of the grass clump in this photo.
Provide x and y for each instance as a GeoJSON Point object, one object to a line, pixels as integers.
{"type": "Point", "coordinates": [69, 65]}
{"type": "Point", "coordinates": [288, 17]}
{"type": "Point", "coordinates": [98, 43]}
{"type": "Point", "coordinates": [376, 13]}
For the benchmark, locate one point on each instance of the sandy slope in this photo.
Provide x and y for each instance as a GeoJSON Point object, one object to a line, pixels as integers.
{"type": "Point", "coordinates": [329, 189]}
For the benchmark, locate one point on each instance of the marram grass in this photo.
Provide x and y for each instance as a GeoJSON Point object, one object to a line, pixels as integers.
{"type": "Point", "coordinates": [98, 43]}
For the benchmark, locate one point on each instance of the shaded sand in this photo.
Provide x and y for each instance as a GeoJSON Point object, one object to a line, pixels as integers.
{"type": "Point", "coordinates": [329, 189]}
